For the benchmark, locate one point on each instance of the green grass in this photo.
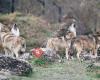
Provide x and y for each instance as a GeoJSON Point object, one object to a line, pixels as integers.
{"type": "Point", "coordinates": [94, 71]}
{"type": "Point", "coordinates": [69, 70]}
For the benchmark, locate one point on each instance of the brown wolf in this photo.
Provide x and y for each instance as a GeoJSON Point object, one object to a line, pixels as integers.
{"type": "Point", "coordinates": [5, 29]}
{"type": "Point", "coordinates": [97, 37]}
{"type": "Point", "coordinates": [81, 43]}
{"type": "Point", "coordinates": [15, 45]}
{"type": "Point", "coordinates": [12, 44]}
{"type": "Point", "coordinates": [61, 43]}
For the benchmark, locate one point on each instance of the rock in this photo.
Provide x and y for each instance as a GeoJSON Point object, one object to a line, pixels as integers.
{"type": "Point", "coordinates": [26, 56]}
{"type": "Point", "coordinates": [14, 66]}
{"type": "Point", "coordinates": [2, 77]}
{"type": "Point", "coordinates": [50, 55]}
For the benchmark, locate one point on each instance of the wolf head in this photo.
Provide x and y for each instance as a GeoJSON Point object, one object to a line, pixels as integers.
{"type": "Point", "coordinates": [15, 30]}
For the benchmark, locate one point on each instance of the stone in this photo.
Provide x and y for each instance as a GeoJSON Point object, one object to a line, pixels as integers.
{"type": "Point", "coordinates": [50, 55]}
{"type": "Point", "coordinates": [2, 77]}
{"type": "Point", "coordinates": [14, 66]}
{"type": "Point", "coordinates": [26, 56]}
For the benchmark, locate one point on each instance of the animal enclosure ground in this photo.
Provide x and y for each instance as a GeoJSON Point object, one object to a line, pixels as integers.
{"type": "Point", "coordinates": [35, 31]}
{"type": "Point", "coordinates": [69, 70]}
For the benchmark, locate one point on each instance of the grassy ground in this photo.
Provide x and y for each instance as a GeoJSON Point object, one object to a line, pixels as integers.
{"type": "Point", "coordinates": [69, 70]}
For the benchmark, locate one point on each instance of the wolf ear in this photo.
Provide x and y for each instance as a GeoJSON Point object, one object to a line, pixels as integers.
{"type": "Point", "coordinates": [15, 30]}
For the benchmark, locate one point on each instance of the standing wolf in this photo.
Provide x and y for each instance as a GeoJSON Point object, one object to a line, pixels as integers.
{"type": "Point", "coordinates": [83, 43]}
{"type": "Point", "coordinates": [13, 45]}
{"type": "Point", "coordinates": [62, 42]}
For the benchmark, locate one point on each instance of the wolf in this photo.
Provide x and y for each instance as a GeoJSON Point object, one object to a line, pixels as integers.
{"type": "Point", "coordinates": [13, 45]}
{"type": "Point", "coordinates": [5, 29]}
{"type": "Point", "coordinates": [61, 43]}
{"type": "Point", "coordinates": [83, 43]}
{"type": "Point", "coordinates": [63, 40]}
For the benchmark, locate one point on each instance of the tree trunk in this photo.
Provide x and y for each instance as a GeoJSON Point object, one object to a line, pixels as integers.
{"type": "Point", "coordinates": [12, 6]}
